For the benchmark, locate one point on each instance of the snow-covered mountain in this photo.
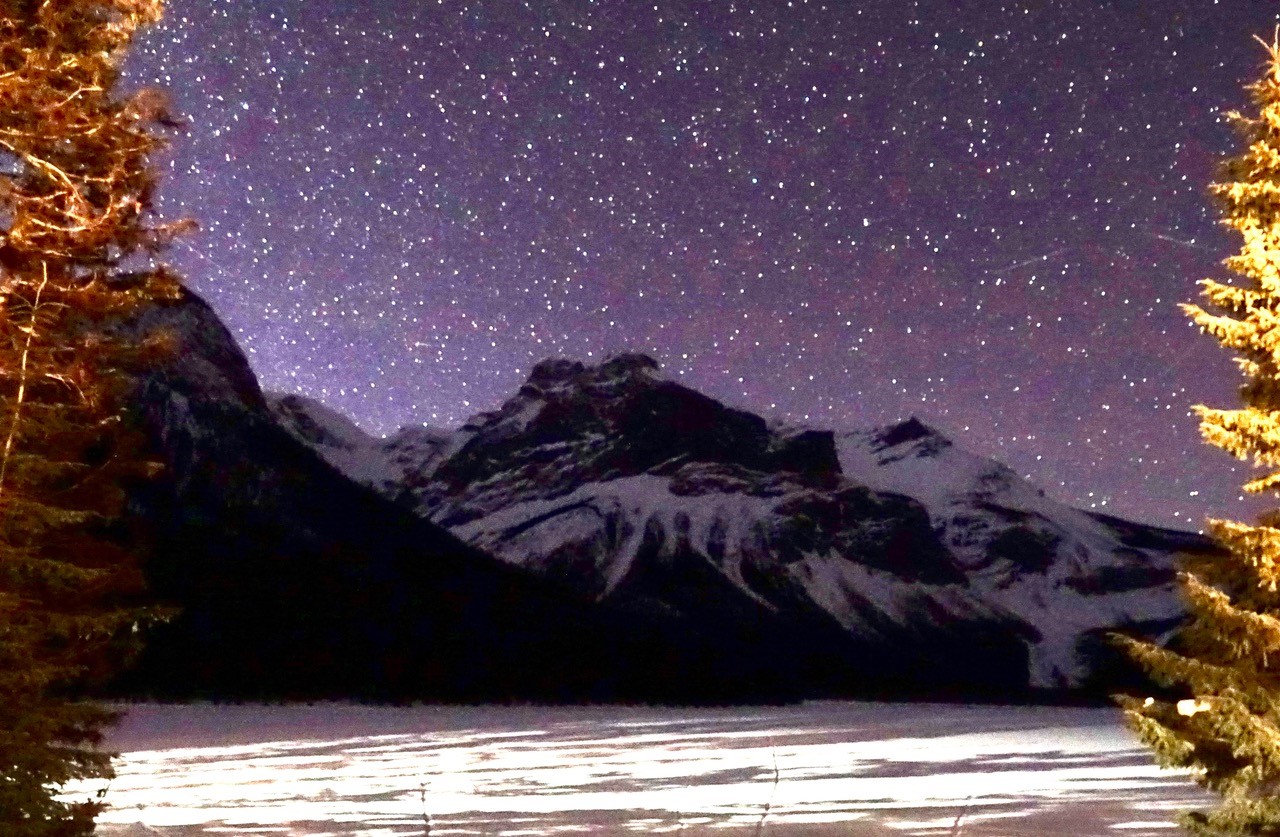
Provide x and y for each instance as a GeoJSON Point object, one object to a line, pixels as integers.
{"type": "Point", "coordinates": [882, 556]}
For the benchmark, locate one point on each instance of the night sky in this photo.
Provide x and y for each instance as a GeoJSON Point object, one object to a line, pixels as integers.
{"type": "Point", "coordinates": [979, 213]}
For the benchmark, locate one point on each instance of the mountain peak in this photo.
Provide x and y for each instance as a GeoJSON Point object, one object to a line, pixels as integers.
{"type": "Point", "coordinates": [911, 430]}
{"type": "Point", "coordinates": [316, 424]}
{"type": "Point", "coordinates": [629, 363]}
{"type": "Point", "coordinates": [558, 373]}
{"type": "Point", "coordinates": [555, 370]}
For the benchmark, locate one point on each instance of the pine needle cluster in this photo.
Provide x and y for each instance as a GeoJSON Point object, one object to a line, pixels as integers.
{"type": "Point", "coordinates": [1223, 721]}
{"type": "Point", "coordinates": [78, 245]}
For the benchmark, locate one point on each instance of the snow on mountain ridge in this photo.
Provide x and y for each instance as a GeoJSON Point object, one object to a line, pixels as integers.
{"type": "Point", "coordinates": [407, 456]}
{"type": "Point", "coordinates": [951, 482]}
{"type": "Point", "coordinates": [338, 439]}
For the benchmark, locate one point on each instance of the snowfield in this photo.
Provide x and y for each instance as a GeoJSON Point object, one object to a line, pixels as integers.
{"type": "Point", "coordinates": [797, 771]}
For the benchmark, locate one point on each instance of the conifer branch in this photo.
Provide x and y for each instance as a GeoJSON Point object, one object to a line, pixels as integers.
{"type": "Point", "coordinates": [22, 383]}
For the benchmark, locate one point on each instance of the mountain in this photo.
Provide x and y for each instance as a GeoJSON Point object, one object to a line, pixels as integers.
{"type": "Point", "coordinates": [292, 580]}
{"type": "Point", "coordinates": [882, 561]}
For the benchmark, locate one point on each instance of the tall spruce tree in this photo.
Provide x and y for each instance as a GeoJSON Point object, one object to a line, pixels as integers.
{"type": "Point", "coordinates": [1223, 720]}
{"type": "Point", "coordinates": [77, 251]}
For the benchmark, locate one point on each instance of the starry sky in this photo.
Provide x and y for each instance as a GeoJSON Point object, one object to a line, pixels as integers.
{"type": "Point", "coordinates": [978, 212]}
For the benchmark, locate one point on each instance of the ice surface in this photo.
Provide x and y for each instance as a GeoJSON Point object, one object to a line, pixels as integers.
{"type": "Point", "coordinates": [842, 768]}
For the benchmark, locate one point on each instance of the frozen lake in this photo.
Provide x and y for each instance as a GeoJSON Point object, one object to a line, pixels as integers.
{"type": "Point", "coordinates": [817, 769]}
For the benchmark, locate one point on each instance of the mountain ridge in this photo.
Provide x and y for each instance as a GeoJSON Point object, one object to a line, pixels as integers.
{"type": "Point", "coordinates": [621, 483]}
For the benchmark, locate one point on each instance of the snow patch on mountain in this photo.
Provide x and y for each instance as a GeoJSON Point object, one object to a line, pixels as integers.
{"type": "Point", "coordinates": [337, 439]}
{"type": "Point", "coordinates": [407, 457]}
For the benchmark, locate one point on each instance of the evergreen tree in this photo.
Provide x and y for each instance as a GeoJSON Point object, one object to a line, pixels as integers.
{"type": "Point", "coordinates": [77, 252]}
{"type": "Point", "coordinates": [1223, 718]}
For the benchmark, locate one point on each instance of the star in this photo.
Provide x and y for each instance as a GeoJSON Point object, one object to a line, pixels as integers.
{"type": "Point", "coordinates": [840, 214]}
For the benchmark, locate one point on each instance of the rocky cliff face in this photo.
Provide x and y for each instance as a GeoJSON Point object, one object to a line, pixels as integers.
{"type": "Point", "coordinates": [883, 559]}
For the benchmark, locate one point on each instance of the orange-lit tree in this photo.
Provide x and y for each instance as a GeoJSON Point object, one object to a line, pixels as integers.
{"type": "Point", "coordinates": [78, 242]}
{"type": "Point", "coordinates": [1223, 721]}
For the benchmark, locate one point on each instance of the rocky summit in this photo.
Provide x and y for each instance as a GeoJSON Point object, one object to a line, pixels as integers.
{"type": "Point", "coordinates": [887, 561]}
